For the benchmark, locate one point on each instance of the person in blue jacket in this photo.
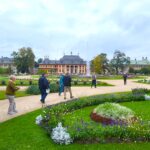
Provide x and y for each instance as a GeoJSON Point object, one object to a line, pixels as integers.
{"type": "Point", "coordinates": [61, 84]}
{"type": "Point", "coordinates": [43, 86]}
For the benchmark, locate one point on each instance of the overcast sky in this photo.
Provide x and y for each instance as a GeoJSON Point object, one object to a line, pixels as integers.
{"type": "Point", "coordinates": [88, 27]}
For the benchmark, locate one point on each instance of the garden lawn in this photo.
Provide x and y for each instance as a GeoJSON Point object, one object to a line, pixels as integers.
{"type": "Point", "coordinates": [3, 77]}
{"type": "Point", "coordinates": [18, 94]}
{"type": "Point", "coordinates": [22, 133]}
{"type": "Point", "coordinates": [140, 108]}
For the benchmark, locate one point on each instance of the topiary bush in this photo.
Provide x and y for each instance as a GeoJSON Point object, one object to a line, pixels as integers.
{"type": "Point", "coordinates": [75, 82]}
{"type": "Point", "coordinates": [21, 82]}
{"type": "Point", "coordinates": [30, 82]}
{"type": "Point", "coordinates": [3, 82]}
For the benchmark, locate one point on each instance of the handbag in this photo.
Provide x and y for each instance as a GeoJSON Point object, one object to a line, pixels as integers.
{"type": "Point", "coordinates": [47, 91]}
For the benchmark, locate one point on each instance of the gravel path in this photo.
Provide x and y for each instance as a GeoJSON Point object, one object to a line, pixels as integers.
{"type": "Point", "coordinates": [30, 103]}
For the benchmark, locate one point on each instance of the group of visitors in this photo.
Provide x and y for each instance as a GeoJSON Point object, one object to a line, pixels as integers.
{"type": "Point", "coordinates": [44, 86]}
{"type": "Point", "coordinates": [64, 86]}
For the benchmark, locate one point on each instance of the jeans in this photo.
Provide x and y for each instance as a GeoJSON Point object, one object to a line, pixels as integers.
{"type": "Point", "coordinates": [93, 83]}
{"type": "Point", "coordinates": [43, 95]}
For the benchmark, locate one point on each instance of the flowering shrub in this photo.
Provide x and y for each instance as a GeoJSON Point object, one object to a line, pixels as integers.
{"type": "Point", "coordinates": [140, 91]}
{"type": "Point", "coordinates": [60, 135]}
{"type": "Point", "coordinates": [38, 119]}
{"type": "Point", "coordinates": [114, 111]}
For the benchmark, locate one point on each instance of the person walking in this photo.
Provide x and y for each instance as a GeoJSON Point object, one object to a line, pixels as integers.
{"type": "Point", "coordinates": [93, 81]}
{"type": "Point", "coordinates": [10, 93]}
{"type": "Point", "coordinates": [125, 76]}
{"type": "Point", "coordinates": [44, 87]}
{"type": "Point", "coordinates": [67, 85]}
{"type": "Point", "coordinates": [61, 84]}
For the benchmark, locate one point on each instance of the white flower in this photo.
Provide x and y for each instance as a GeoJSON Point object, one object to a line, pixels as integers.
{"type": "Point", "coordinates": [38, 119]}
{"type": "Point", "coordinates": [147, 97]}
{"type": "Point", "coordinates": [60, 135]}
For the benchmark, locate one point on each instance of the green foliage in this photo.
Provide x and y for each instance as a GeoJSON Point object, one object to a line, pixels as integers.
{"type": "Point", "coordinates": [69, 106]}
{"type": "Point", "coordinates": [145, 70]}
{"type": "Point", "coordinates": [131, 70]}
{"type": "Point", "coordinates": [82, 130]}
{"type": "Point", "coordinates": [3, 82]}
{"type": "Point", "coordinates": [33, 89]}
{"type": "Point", "coordinates": [24, 60]}
{"type": "Point", "coordinates": [30, 82]}
{"type": "Point", "coordinates": [114, 111]}
{"type": "Point", "coordinates": [31, 136]}
{"type": "Point", "coordinates": [18, 94]}
{"type": "Point", "coordinates": [76, 82]}
{"type": "Point", "coordinates": [54, 87]}
{"type": "Point", "coordinates": [140, 91]}
{"type": "Point", "coordinates": [40, 71]}
{"type": "Point", "coordinates": [5, 70]}
{"type": "Point", "coordinates": [119, 61]}
{"type": "Point", "coordinates": [99, 64]}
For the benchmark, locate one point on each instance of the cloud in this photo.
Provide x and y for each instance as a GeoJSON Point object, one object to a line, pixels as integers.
{"type": "Point", "coordinates": [52, 27]}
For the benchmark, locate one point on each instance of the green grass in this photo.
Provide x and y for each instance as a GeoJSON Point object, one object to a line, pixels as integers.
{"type": "Point", "coordinates": [18, 94]}
{"type": "Point", "coordinates": [142, 82]}
{"type": "Point", "coordinates": [112, 77]}
{"type": "Point", "coordinates": [140, 108]}
{"type": "Point", "coordinates": [22, 133]}
{"type": "Point", "coordinates": [3, 77]}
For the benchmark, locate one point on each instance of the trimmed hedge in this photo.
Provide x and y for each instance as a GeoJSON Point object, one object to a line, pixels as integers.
{"type": "Point", "coordinates": [34, 89]}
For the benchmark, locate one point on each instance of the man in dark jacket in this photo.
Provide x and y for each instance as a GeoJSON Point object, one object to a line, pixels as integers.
{"type": "Point", "coordinates": [67, 85]}
{"type": "Point", "coordinates": [93, 81]}
{"type": "Point", "coordinates": [43, 86]}
{"type": "Point", "coordinates": [125, 76]}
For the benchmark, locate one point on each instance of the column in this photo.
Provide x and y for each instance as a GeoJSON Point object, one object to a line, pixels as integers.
{"type": "Point", "coordinates": [74, 69]}
{"type": "Point", "coordinates": [69, 69]}
{"type": "Point", "coordinates": [65, 69]}
{"type": "Point", "coordinates": [78, 69]}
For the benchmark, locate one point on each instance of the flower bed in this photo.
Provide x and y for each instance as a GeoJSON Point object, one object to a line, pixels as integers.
{"type": "Point", "coordinates": [111, 113]}
{"type": "Point", "coordinates": [84, 131]}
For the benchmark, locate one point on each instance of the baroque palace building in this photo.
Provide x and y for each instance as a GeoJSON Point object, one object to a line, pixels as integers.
{"type": "Point", "coordinates": [72, 64]}
{"type": "Point", "coordinates": [139, 64]}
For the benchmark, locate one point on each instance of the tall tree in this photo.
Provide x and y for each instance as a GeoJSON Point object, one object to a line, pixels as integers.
{"type": "Point", "coordinates": [24, 60]}
{"type": "Point", "coordinates": [40, 60]}
{"type": "Point", "coordinates": [119, 61]}
{"type": "Point", "coordinates": [104, 63]}
{"type": "Point", "coordinates": [99, 64]}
